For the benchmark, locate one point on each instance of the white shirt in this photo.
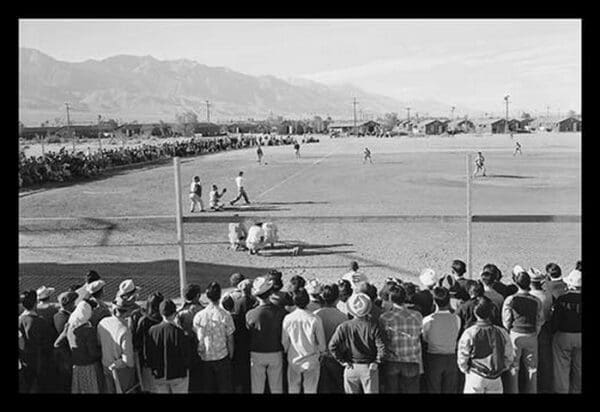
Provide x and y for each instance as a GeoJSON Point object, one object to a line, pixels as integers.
{"type": "Point", "coordinates": [303, 338]}
{"type": "Point", "coordinates": [239, 181]}
{"type": "Point", "coordinates": [254, 235]}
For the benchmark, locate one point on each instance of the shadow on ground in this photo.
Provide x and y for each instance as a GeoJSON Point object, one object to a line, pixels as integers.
{"type": "Point", "coordinates": [158, 275]}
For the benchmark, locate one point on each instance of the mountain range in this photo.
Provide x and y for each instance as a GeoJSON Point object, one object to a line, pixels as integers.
{"type": "Point", "coordinates": [146, 89]}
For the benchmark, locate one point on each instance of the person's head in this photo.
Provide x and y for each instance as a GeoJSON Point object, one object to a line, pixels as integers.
{"type": "Point", "coordinates": [28, 299]}
{"type": "Point", "coordinates": [359, 305]}
{"type": "Point", "coordinates": [123, 307]}
{"type": "Point", "coordinates": [275, 277]}
{"type": "Point", "coordinates": [67, 300]}
{"type": "Point", "coordinates": [354, 266]}
{"type": "Point", "coordinates": [330, 294]}
{"type": "Point", "coordinates": [397, 294]}
{"type": "Point", "coordinates": [474, 289]}
{"type": "Point", "coordinates": [235, 279]}
{"type": "Point", "coordinates": [428, 278]}
{"type": "Point", "coordinates": [410, 290]}
{"type": "Point", "coordinates": [522, 280]}
{"type": "Point", "coordinates": [553, 270]}
{"type": "Point", "coordinates": [578, 265]}
{"type": "Point", "coordinates": [227, 303]}
{"type": "Point", "coordinates": [441, 297]}
{"type": "Point", "coordinates": [153, 303]}
{"type": "Point", "coordinates": [483, 309]}
{"type": "Point", "coordinates": [487, 278]}
{"type": "Point", "coordinates": [368, 289]}
{"type": "Point", "coordinates": [196, 178]}
{"type": "Point", "coordinates": [44, 293]}
{"type": "Point", "coordinates": [262, 288]}
{"type": "Point", "coordinates": [214, 187]}
{"type": "Point", "coordinates": [241, 173]}
{"type": "Point", "coordinates": [458, 268]}
{"type": "Point", "coordinates": [96, 289]}
{"type": "Point", "coordinates": [167, 309]}
{"type": "Point", "coordinates": [537, 278]}
{"type": "Point", "coordinates": [192, 293]}
{"type": "Point", "coordinates": [91, 276]}
{"type": "Point", "coordinates": [490, 267]}
{"type": "Point", "coordinates": [479, 153]}
{"type": "Point", "coordinates": [345, 289]}
{"type": "Point", "coordinates": [213, 292]}
{"type": "Point", "coordinates": [300, 298]}
{"type": "Point", "coordinates": [574, 280]}
{"type": "Point", "coordinates": [297, 281]}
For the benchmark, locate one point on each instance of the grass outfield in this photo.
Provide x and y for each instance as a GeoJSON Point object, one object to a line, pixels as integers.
{"type": "Point", "coordinates": [338, 208]}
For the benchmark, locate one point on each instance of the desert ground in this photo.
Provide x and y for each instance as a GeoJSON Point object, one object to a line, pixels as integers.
{"type": "Point", "coordinates": [404, 212]}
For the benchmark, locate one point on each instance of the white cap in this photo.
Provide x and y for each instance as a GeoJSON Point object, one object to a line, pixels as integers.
{"type": "Point", "coordinates": [428, 277]}
{"type": "Point", "coordinates": [518, 269]}
{"type": "Point", "coordinates": [574, 279]}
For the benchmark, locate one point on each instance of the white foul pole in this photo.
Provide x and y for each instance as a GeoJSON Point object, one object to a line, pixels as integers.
{"type": "Point", "coordinates": [468, 160]}
{"type": "Point", "coordinates": [179, 222]}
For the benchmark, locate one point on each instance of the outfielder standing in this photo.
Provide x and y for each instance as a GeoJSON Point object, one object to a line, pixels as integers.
{"type": "Point", "coordinates": [259, 153]}
{"type": "Point", "coordinates": [367, 155]}
{"type": "Point", "coordinates": [196, 195]}
{"type": "Point", "coordinates": [239, 181]}
{"type": "Point", "coordinates": [517, 148]}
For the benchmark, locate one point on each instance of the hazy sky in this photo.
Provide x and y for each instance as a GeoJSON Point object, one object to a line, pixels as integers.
{"type": "Point", "coordinates": [462, 62]}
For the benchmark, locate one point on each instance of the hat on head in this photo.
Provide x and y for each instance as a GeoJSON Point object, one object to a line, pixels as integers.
{"type": "Point", "coordinates": [127, 287]}
{"type": "Point", "coordinates": [517, 269]}
{"type": "Point", "coordinates": [44, 292]}
{"type": "Point", "coordinates": [261, 285]}
{"type": "Point", "coordinates": [81, 314]}
{"type": "Point", "coordinates": [536, 275]}
{"type": "Point", "coordinates": [359, 305]}
{"type": "Point", "coordinates": [428, 277]}
{"type": "Point", "coordinates": [573, 279]}
{"type": "Point", "coordinates": [95, 286]}
{"type": "Point", "coordinates": [314, 287]}
{"type": "Point", "coordinates": [124, 304]}
{"type": "Point", "coordinates": [67, 298]}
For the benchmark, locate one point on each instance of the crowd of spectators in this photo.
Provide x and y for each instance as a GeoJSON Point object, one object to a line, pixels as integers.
{"type": "Point", "coordinates": [66, 165]}
{"type": "Point", "coordinates": [448, 335]}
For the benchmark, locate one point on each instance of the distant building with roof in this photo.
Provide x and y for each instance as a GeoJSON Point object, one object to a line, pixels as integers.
{"type": "Point", "coordinates": [490, 125]}
{"type": "Point", "coordinates": [556, 124]}
{"type": "Point", "coordinates": [347, 127]}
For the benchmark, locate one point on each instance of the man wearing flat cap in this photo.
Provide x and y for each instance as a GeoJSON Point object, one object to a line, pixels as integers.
{"type": "Point", "coordinates": [358, 345]}
{"type": "Point", "coordinates": [266, 351]}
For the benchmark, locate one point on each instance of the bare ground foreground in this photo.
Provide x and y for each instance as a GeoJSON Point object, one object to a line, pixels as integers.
{"type": "Point", "coordinates": [397, 216]}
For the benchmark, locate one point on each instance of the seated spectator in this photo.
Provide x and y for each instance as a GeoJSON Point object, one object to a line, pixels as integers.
{"type": "Point", "coordinates": [484, 352]}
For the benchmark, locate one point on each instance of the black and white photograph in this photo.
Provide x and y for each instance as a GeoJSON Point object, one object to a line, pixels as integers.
{"type": "Point", "coordinates": [263, 206]}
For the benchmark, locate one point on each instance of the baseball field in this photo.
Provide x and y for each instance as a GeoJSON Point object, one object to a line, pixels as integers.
{"type": "Point", "coordinates": [404, 212]}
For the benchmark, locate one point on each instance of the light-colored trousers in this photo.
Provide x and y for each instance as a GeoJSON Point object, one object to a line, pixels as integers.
{"type": "Point", "coordinates": [177, 385]}
{"type": "Point", "coordinates": [525, 346]}
{"type": "Point", "coordinates": [263, 365]}
{"type": "Point", "coordinates": [566, 357]}
{"type": "Point", "coordinates": [478, 384]}
{"type": "Point", "coordinates": [360, 379]}
{"type": "Point", "coordinates": [301, 378]}
{"type": "Point", "coordinates": [195, 200]}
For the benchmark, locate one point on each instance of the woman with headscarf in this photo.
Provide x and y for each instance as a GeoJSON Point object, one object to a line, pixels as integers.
{"type": "Point", "coordinates": [85, 351]}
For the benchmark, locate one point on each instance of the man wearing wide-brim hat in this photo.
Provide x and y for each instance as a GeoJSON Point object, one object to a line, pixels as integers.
{"type": "Point", "coordinates": [566, 343]}
{"type": "Point", "coordinates": [357, 344]}
{"type": "Point", "coordinates": [46, 309]}
{"type": "Point", "coordinates": [116, 341]}
{"type": "Point", "coordinates": [266, 351]}
{"type": "Point", "coordinates": [95, 293]}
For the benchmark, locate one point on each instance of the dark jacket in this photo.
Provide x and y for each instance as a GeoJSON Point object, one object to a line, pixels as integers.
{"type": "Point", "coordinates": [566, 313]}
{"type": "Point", "coordinates": [556, 288]}
{"type": "Point", "coordinates": [485, 350]}
{"type": "Point", "coordinates": [357, 341]}
{"type": "Point", "coordinates": [458, 290]}
{"type": "Point", "coordinates": [504, 290]}
{"type": "Point", "coordinates": [169, 351]}
{"type": "Point", "coordinates": [85, 348]}
{"type": "Point", "coordinates": [467, 315]}
{"type": "Point", "coordinates": [264, 323]}
{"type": "Point", "coordinates": [37, 357]}
{"type": "Point", "coordinates": [60, 320]}
{"type": "Point", "coordinates": [140, 337]}
{"type": "Point", "coordinates": [522, 313]}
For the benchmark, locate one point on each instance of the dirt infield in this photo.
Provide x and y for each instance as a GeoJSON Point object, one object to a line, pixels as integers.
{"type": "Point", "coordinates": [338, 208]}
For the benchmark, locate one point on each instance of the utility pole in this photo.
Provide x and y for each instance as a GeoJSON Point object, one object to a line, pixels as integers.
{"type": "Point", "coordinates": [408, 114]}
{"type": "Point", "coordinates": [452, 116]}
{"type": "Point", "coordinates": [99, 134]}
{"type": "Point", "coordinates": [69, 126]}
{"type": "Point", "coordinates": [506, 100]}
{"type": "Point", "coordinates": [207, 112]}
{"type": "Point", "coordinates": [354, 103]}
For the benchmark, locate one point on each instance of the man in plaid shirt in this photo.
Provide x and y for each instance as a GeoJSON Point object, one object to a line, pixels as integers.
{"type": "Point", "coordinates": [401, 328]}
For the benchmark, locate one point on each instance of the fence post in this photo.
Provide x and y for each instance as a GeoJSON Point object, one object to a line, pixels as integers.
{"type": "Point", "coordinates": [469, 251]}
{"type": "Point", "coordinates": [179, 223]}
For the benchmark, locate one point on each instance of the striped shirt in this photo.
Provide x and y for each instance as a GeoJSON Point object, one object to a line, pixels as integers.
{"type": "Point", "coordinates": [402, 328]}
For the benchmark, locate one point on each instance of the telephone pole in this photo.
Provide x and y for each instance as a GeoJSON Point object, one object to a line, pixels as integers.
{"type": "Point", "coordinates": [452, 116]}
{"type": "Point", "coordinates": [408, 114]}
{"type": "Point", "coordinates": [99, 134]}
{"type": "Point", "coordinates": [354, 103]}
{"type": "Point", "coordinates": [69, 126]}
{"type": "Point", "coordinates": [506, 100]}
{"type": "Point", "coordinates": [207, 112]}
